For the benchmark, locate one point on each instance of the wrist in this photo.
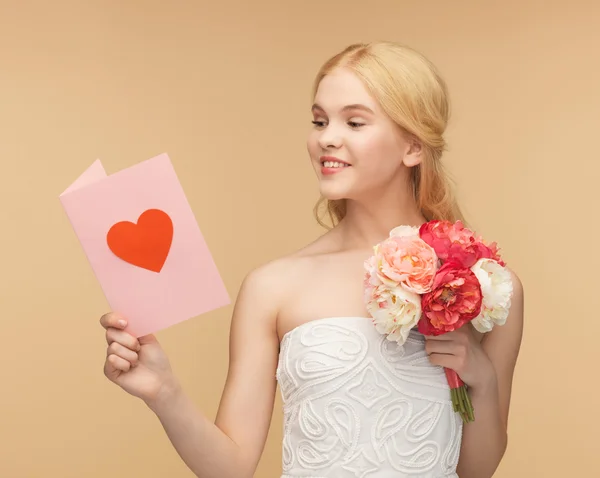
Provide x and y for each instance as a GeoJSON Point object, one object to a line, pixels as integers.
{"type": "Point", "coordinates": [168, 397]}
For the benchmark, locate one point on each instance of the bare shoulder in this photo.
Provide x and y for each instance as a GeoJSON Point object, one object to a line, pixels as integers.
{"type": "Point", "coordinates": [518, 299]}
{"type": "Point", "coordinates": [516, 316]}
{"type": "Point", "coordinates": [275, 271]}
{"type": "Point", "coordinates": [518, 290]}
{"type": "Point", "coordinates": [269, 283]}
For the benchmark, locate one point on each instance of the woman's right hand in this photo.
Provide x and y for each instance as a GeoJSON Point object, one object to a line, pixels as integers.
{"type": "Point", "coordinates": [138, 366]}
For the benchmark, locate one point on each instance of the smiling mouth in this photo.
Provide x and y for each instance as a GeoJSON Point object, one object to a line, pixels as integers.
{"type": "Point", "coordinates": [334, 164]}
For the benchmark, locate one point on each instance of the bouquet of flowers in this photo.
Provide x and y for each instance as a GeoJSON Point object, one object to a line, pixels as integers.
{"type": "Point", "coordinates": [437, 277]}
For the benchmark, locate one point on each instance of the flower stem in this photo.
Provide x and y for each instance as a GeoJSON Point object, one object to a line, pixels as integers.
{"type": "Point", "coordinates": [461, 403]}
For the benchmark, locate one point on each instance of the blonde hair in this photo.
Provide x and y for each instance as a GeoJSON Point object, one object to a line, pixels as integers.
{"type": "Point", "coordinates": [413, 94]}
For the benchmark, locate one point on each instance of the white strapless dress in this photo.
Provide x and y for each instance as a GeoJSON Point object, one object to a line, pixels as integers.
{"type": "Point", "coordinates": [357, 405]}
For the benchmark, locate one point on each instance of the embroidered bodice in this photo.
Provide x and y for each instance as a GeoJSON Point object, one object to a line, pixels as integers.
{"type": "Point", "coordinates": [357, 405]}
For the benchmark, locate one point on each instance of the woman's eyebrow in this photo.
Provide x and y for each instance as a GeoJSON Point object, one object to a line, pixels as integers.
{"type": "Point", "coordinates": [355, 106]}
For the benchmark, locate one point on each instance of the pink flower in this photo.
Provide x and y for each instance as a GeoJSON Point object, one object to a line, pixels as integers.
{"type": "Point", "coordinates": [454, 242]}
{"type": "Point", "coordinates": [371, 279]}
{"type": "Point", "coordinates": [406, 260]}
{"type": "Point", "coordinates": [455, 300]}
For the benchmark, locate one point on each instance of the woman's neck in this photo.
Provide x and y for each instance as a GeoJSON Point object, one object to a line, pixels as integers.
{"type": "Point", "coordinates": [366, 224]}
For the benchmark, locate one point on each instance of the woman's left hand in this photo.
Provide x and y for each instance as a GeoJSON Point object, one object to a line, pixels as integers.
{"type": "Point", "coordinates": [462, 352]}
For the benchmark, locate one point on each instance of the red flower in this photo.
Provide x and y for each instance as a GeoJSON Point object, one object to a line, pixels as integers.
{"type": "Point", "coordinates": [454, 300]}
{"type": "Point", "coordinates": [454, 242]}
{"type": "Point", "coordinates": [490, 251]}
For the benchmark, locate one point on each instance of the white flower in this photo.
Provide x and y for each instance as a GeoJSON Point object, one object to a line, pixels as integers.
{"type": "Point", "coordinates": [395, 311]}
{"type": "Point", "coordinates": [402, 231]}
{"type": "Point", "coordinates": [496, 288]}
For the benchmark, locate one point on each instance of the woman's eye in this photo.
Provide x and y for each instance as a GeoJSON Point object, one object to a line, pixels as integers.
{"type": "Point", "coordinates": [352, 124]}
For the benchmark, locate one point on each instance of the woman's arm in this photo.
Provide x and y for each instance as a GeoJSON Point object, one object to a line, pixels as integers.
{"type": "Point", "coordinates": [487, 367]}
{"type": "Point", "coordinates": [485, 440]}
{"type": "Point", "coordinates": [232, 446]}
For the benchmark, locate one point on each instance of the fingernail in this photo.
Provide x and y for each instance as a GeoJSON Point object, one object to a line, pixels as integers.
{"type": "Point", "coordinates": [122, 323]}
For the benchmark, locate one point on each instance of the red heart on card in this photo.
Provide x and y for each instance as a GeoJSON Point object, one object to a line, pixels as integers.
{"type": "Point", "coordinates": [145, 244]}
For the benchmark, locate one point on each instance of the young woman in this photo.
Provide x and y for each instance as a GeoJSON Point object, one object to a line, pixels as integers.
{"type": "Point", "coordinates": [354, 405]}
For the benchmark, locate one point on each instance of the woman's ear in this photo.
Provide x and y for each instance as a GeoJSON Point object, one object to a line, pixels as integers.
{"type": "Point", "coordinates": [414, 152]}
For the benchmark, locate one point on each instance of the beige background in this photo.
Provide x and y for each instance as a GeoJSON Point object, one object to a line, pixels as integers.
{"type": "Point", "coordinates": [223, 87]}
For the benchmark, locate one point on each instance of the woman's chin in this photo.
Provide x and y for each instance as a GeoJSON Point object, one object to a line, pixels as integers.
{"type": "Point", "coordinates": [332, 192]}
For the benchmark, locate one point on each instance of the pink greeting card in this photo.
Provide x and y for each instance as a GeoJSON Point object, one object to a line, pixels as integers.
{"type": "Point", "coordinates": [144, 245]}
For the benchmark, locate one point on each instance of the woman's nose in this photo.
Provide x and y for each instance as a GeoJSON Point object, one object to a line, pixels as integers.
{"type": "Point", "coordinates": [330, 138]}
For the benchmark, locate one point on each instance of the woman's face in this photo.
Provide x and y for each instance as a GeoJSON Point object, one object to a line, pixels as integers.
{"type": "Point", "coordinates": [355, 148]}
